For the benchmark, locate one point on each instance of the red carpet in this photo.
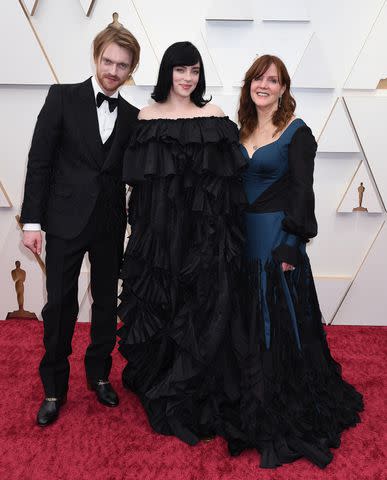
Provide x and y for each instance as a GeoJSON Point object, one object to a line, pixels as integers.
{"type": "Point", "coordinates": [90, 441]}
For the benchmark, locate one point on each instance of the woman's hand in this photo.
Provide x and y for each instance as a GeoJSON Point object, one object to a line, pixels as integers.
{"type": "Point", "coordinates": [286, 267]}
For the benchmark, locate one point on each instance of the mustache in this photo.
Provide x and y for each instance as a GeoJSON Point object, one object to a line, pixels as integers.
{"type": "Point", "coordinates": [111, 77]}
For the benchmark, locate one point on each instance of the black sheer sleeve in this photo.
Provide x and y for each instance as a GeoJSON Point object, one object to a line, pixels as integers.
{"type": "Point", "coordinates": [299, 220]}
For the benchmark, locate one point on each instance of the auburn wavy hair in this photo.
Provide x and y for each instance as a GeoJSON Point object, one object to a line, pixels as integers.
{"type": "Point", "coordinates": [247, 113]}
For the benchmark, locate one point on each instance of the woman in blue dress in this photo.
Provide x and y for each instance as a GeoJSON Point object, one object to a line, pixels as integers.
{"type": "Point", "coordinates": [294, 401]}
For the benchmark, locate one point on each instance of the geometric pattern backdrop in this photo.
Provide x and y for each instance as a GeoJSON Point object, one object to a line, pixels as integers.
{"type": "Point", "coordinates": [337, 57]}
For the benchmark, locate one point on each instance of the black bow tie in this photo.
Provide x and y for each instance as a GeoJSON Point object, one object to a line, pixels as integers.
{"type": "Point", "coordinates": [113, 102]}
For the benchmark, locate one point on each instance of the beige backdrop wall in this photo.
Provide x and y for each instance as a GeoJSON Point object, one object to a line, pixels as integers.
{"type": "Point", "coordinates": [336, 55]}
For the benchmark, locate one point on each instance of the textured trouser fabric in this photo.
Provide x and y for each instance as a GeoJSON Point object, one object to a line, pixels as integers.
{"type": "Point", "coordinates": [63, 264]}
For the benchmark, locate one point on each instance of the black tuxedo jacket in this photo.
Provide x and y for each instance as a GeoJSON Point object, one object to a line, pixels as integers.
{"type": "Point", "coordinates": [67, 166]}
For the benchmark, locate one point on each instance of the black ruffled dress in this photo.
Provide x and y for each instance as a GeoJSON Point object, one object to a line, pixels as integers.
{"type": "Point", "coordinates": [180, 295]}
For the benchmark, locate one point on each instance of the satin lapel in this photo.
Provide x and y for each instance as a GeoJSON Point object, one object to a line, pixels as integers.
{"type": "Point", "coordinates": [122, 131]}
{"type": "Point", "coordinates": [87, 120]}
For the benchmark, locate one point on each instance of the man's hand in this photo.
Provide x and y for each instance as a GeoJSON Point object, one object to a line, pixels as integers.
{"type": "Point", "coordinates": [33, 241]}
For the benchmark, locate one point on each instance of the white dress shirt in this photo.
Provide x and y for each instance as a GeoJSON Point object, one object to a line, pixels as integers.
{"type": "Point", "coordinates": [106, 118]}
{"type": "Point", "coordinates": [106, 122]}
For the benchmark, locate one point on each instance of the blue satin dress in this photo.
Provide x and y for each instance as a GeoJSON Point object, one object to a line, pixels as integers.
{"type": "Point", "coordinates": [294, 402]}
{"type": "Point", "coordinates": [264, 230]}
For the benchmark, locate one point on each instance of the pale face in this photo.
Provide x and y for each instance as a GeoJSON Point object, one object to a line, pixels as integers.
{"type": "Point", "coordinates": [266, 89]}
{"type": "Point", "coordinates": [185, 79]}
{"type": "Point", "coordinates": [113, 68]}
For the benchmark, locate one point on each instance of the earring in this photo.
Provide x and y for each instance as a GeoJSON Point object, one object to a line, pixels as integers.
{"type": "Point", "coordinates": [279, 101]}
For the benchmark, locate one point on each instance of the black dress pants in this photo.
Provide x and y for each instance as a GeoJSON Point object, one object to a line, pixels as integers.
{"type": "Point", "coordinates": [63, 264]}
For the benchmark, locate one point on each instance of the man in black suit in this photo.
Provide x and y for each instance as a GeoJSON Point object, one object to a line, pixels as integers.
{"type": "Point", "coordinates": [74, 192]}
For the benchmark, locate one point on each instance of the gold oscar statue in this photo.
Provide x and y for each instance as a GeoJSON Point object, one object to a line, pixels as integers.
{"type": "Point", "coordinates": [19, 277]}
{"type": "Point", "coordinates": [360, 190]}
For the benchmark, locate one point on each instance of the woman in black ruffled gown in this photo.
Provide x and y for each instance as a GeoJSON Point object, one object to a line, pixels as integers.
{"type": "Point", "coordinates": [294, 401]}
{"type": "Point", "coordinates": [180, 293]}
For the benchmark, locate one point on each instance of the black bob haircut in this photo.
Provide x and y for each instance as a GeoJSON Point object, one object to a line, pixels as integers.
{"type": "Point", "coordinates": [180, 54]}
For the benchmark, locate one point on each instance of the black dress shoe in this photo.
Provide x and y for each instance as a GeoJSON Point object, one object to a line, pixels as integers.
{"type": "Point", "coordinates": [49, 410]}
{"type": "Point", "coordinates": [105, 392]}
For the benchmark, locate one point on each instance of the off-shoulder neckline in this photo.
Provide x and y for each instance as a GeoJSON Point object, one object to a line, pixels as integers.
{"type": "Point", "coordinates": [160, 119]}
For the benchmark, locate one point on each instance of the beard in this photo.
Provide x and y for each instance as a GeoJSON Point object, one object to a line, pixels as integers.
{"type": "Point", "coordinates": [110, 83]}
